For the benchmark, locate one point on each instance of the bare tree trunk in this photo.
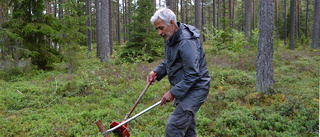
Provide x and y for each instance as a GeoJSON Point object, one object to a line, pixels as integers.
{"type": "Point", "coordinates": [170, 4]}
{"type": "Point", "coordinates": [292, 23]}
{"type": "Point", "coordinates": [316, 26]}
{"type": "Point", "coordinates": [187, 11]}
{"type": "Point", "coordinates": [265, 73]}
{"type": "Point", "coordinates": [307, 11]}
{"type": "Point", "coordinates": [230, 12]}
{"type": "Point", "coordinates": [88, 24]}
{"type": "Point", "coordinates": [298, 18]}
{"type": "Point", "coordinates": [98, 29]}
{"type": "Point", "coordinates": [124, 18]}
{"type": "Point", "coordinates": [118, 22]}
{"type": "Point", "coordinates": [233, 5]}
{"type": "Point", "coordinates": [214, 13]}
{"type": "Point", "coordinates": [276, 9]}
{"type": "Point", "coordinates": [224, 23]}
{"type": "Point", "coordinates": [247, 26]}
{"type": "Point", "coordinates": [218, 15]}
{"type": "Point", "coordinates": [203, 21]}
{"type": "Point", "coordinates": [285, 22]}
{"type": "Point", "coordinates": [105, 36]}
{"type": "Point", "coordinates": [182, 10]}
{"type": "Point", "coordinates": [60, 18]}
{"type": "Point", "coordinates": [110, 28]}
{"type": "Point", "coordinates": [197, 14]}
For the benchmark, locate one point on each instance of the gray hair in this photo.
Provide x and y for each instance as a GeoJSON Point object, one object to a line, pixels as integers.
{"type": "Point", "coordinates": [164, 14]}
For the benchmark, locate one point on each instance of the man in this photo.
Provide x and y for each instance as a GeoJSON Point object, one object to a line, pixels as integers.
{"type": "Point", "coordinates": [185, 65]}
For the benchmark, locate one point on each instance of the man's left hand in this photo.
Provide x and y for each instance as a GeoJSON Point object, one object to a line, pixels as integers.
{"type": "Point", "coordinates": [167, 97]}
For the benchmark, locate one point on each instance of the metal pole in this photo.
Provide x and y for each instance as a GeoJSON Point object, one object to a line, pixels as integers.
{"type": "Point", "coordinates": [135, 116]}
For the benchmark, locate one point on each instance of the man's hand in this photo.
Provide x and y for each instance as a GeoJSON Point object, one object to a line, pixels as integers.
{"type": "Point", "coordinates": [150, 78]}
{"type": "Point", "coordinates": [167, 97]}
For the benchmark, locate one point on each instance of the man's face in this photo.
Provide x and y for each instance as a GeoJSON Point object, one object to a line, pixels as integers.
{"type": "Point", "coordinates": [164, 30]}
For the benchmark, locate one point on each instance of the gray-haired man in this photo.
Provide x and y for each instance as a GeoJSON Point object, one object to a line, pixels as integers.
{"type": "Point", "coordinates": [186, 67]}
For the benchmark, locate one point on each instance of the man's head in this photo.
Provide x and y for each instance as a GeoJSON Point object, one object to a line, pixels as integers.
{"type": "Point", "coordinates": [165, 22]}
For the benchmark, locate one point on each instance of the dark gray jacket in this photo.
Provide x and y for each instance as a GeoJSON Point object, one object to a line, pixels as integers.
{"type": "Point", "coordinates": [186, 67]}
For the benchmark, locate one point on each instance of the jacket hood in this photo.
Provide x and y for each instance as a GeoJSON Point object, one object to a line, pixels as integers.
{"type": "Point", "coordinates": [184, 32]}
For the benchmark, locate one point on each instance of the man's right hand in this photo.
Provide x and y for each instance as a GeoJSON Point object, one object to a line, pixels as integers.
{"type": "Point", "coordinates": [151, 78]}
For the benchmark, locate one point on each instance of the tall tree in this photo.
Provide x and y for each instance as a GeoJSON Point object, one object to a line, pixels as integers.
{"type": "Point", "coordinates": [218, 14]}
{"type": "Point", "coordinates": [277, 14]}
{"type": "Point", "coordinates": [182, 10]}
{"type": "Point", "coordinates": [307, 11]}
{"type": "Point", "coordinates": [247, 22]}
{"type": "Point", "coordinates": [265, 73]}
{"type": "Point", "coordinates": [285, 21]}
{"type": "Point", "coordinates": [110, 28]}
{"type": "Point", "coordinates": [105, 36]}
{"type": "Point", "coordinates": [298, 18]}
{"type": "Point", "coordinates": [197, 14]}
{"type": "Point", "coordinates": [203, 22]}
{"type": "Point", "coordinates": [292, 22]}
{"type": "Point", "coordinates": [98, 29]}
{"type": "Point", "coordinates": [170, 4]}
{"type": "Point", "coordinates": [88, 24]}
{"type": "Point", "coordinates": [60, 15]}
{"type": "Point", "coordinates": [214, 13]}
{"type": "Point", "coordinates": [124, 11]}
{"type": "Point", "coordinates": [316, 26]}
{"type": "Point", "coordinates": [230, 12]}
{"type": "Point", "coordinates": [118, 22]}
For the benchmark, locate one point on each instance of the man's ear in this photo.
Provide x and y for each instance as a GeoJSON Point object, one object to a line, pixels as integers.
{"type": "Point", "coordinates": [171, 22]}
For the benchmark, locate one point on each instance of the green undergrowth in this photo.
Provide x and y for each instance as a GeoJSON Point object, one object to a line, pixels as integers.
{"type": "Point", "coordinates": [57, 103]}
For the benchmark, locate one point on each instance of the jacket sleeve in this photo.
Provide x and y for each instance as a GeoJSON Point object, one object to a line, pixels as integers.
{"type": "Point", "coordinates": [190, 56]}
{"type": "Point", "coordinates": [161, 70]}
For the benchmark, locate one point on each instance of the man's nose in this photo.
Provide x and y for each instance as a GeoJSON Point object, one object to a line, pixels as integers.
{"type": "Point", "coordinates": [159, 32]}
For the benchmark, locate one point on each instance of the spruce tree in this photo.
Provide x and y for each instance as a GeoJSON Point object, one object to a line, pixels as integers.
{"type": "Point", "coordinates": [144, 43]}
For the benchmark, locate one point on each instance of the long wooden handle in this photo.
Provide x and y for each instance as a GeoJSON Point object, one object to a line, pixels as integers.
{"type": "Point", "coordinates": [101, 127]}
{"type": "Point", "coordinates": [144, 91]}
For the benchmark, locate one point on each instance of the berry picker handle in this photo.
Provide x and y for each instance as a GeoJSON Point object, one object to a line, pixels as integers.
{"type": "Point", "coordinates": [145, 89]}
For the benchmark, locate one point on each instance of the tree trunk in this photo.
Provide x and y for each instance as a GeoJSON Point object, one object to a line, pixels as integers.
{"type": "Point", "coordinates": [88, 24]}
{"type": "Point", "coordinates": [307, 11]}
{"type": "Point", "coordinates": [298, 18]}
{"type": "Point", "coordinates": [218, 15]}
{"type": "Point", "coordinates": [170, 4]}
{"type": "Point", "coordinates": [316, 26]}
{"type": "Point", "coordinates": [118, 22]}
{"type": "Point", "coordinates": [247, 22]}
{"type": "Point", "coordinates": [265, 78]}
{"type": "Point", "coordinates": [214, 13]}
{"type": "Point", "coordinates": [233, 4]}
{"type": "Point", "coordinates": [60, 18]}
{"type": "Point", "coordinates": [276, 9]}
{"type": "Point", "coordinates": [110, 28]}
{"type": "Point", "coordinates": [253, 13]}
{"type": "Point", "coordinates": [197, 14]}
{"type": "Point", "coordinates": [105, 36]}
{"type": "Point", "coordinates": [98, 29]}
{"type": "Point", "coordinates": [203, 22]}
{"type": "Point", "coordinates": [182, 10]}
{"type": "Point", "coordinates": [230, 13]}
{"type": "Point", "coordinates": [124, 18]}
{"type": "Point", "coordinates": [292, 22]}
{"type": "Point", "coordinates": [285, 22]}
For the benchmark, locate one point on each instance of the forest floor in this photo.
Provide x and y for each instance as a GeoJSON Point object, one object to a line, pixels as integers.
{"type": "Point", "coordinates": [57, 103]}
